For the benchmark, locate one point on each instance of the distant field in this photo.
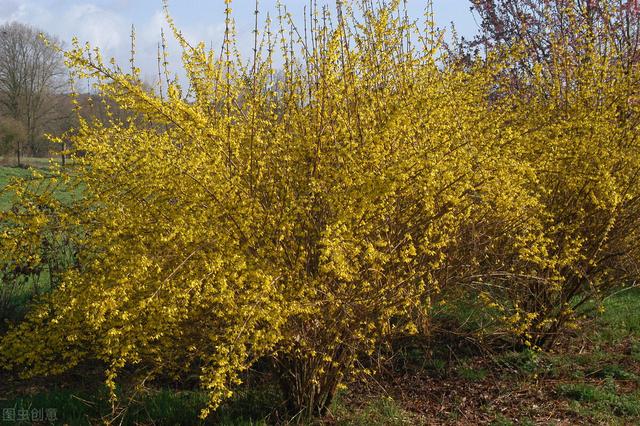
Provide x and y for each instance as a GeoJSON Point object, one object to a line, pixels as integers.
{"type": "Point", "coordinates": [8, 171]}
{"type": "Point", "coordinates": [37, 162]}
{"type": "Point", "coordinates": [6, 174]}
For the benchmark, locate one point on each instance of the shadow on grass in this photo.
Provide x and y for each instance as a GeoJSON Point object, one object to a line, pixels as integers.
{"type": "Point", "coordinates": [158, 407]}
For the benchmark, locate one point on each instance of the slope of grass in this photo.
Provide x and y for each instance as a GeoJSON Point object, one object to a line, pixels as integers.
{"type": "Point", "coordinates": [6, 175]}
{"type": "Point", "coordinates": [37, 162]}
{"type": "Point", "coordinates": [17, 291]}
{"type": "Point", "coordinates": [621, 318]}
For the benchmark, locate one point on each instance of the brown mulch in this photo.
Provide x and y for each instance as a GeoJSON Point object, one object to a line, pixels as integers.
{"type": "Point", "coordinates": [455, 401]}
{"type": "Point", "coordinates": [504, 394]}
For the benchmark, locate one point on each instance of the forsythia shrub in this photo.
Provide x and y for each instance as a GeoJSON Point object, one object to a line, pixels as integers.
{"type": "Point", "coordinates": [253, 215]}
{"type": "Point", "coordinates": [401, 145]}
{"type": "Point", "coordinates": [308, 214]}
{"type": "Point", "coordinates": [576, 121]}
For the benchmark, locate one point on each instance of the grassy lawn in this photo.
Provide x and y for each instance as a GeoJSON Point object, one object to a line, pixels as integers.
{"type": "Point", "coordinates": [9, 172]}
{"type": "Point", "coordinates": [37, 162]}
{"type": "Point", "coordinates": [6, 174]}
{"type": "Point", "coordinates": [16, 293]}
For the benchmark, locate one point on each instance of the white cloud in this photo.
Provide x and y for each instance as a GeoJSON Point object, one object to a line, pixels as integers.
{"type": "Point", "coordinates": [92, 23]}
{"type": "Point", "coordinates": [107, 24]}
{"type": "Point", "coordinates": [21, 10]}
{"type": "Point", "coordinates": [9, 10]}
{"type": "Point", "coordinates": [98, 26]}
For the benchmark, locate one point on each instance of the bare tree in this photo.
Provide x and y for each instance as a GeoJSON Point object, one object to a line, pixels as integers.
{"type": "Point", "coordinates": [12, 136]}
{"type": "Point", "coordinates": [31, 78]}
{"type": "Point", "coordinates": [538, 24]}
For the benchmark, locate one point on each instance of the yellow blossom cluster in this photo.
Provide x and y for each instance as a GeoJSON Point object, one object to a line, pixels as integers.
{"type": "Point", "coordinates": [306, 214]}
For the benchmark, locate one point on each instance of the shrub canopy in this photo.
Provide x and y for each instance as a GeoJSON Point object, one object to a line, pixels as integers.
{"type": "Point", "coordinates": [307, 215]}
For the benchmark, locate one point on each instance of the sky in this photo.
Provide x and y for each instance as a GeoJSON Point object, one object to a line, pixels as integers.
{"type": "Point", "coordinates": [107, 23]}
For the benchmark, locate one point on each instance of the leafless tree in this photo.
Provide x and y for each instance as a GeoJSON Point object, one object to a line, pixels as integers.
{"type": "Point", "coordinates": [32, 76]}
{"type": "Point", "coordinates": [538, 24]}
{"type": "Point", "coordinates": [12, 136]}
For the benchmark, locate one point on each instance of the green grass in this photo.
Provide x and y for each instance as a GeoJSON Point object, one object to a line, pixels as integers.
{"type": "Point", "coordinates": [598, 380]}
{"type": "Point", "coordinates": [16, 292]}
{"type": "Point", "coordinates": [381, 411]}
{"type": "Point", "coordinates": [472, 374]}
{"type": "Point", "coordinates": [75, 408]}
{"type": "Point", "coordinates": [7, 174]}
{"type": "Point", "coordinates": [621, 318]}
{"type": "Point", "coordinates": [37, 162]}
{"type": "Point", "coordinates": [501, 420]}
{"type": "Point", "coordinates": [616, 338]}
{"type": "Point", "coordinates": [160, 407]}
{"type": "Point", "coordinates": [603, 402]}
{"type": "Point", "coordinates": [248, 407]}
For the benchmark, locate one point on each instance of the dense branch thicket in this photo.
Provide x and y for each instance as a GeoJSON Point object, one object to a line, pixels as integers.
{"type": "Point", "coordinates": [572, 66]}
{"type": "Point", "coordinates": [309, 216]}
{"type": "Point", "coordinates": [538, 24]}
